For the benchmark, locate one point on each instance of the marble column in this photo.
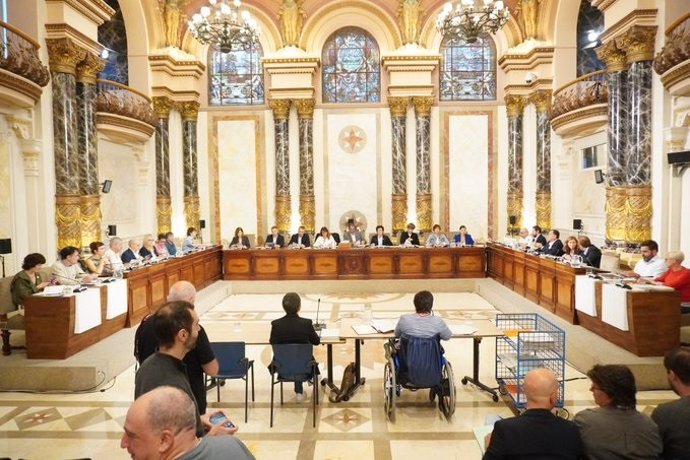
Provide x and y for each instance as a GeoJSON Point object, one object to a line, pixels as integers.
{"type": "Point", "coordinates": [190, 111]}
{"type": "Point", "coordinates": [542, 101]}
{"type": "Point", "coordinates": [422, 110]}
{"type": "Point", "coordinates": [64, 55]}
{"type": "Point", "coordinates": [638, 42]}
{"type": "Point", "coordinates": [281, 115]}
{"type": "Point", "coordinates": [87, 138]}
{"type": "Point", "coordinates": [398, 108]}
{"type": "Point", "coordinates": [307, 210]}
{"type": "Point", "coordinates": [514, 106]}
{"type": "Point", "coordinates": [162, 107]}
{"type": "Point", "coordinates": [616, 67]}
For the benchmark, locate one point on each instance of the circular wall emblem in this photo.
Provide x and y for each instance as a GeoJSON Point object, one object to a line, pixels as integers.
{"type": "Point", "coordinates": [352, 139]}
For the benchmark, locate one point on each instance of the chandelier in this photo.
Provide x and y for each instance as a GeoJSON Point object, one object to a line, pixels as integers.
{"type": "Point", "coordinates": [223, 25]}
{"type": "Point", "coordinates": [469, 18]}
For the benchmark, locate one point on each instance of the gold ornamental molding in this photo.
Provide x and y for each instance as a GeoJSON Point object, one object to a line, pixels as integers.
{"type": "Point", "coordinates": [64, 55]}
{"type": "Point", "coordinates": [281, 111]}
{"type": "Point", "coordinates": [514, 208]}
{"type": "Point", "coordinates": [544, 209]}
{"type": "Point", "coordinates": [17, 90]}
{"type": "Point", "coordinates": [162, 106]}
{"type": "Point", "coordinates": [422, 105]}
{"type": "Point", "coordinates": [305, 108]}
{"type": "Point", "coordinates": [638, 43]}
{"type": "Point", "coordinates": [283, 213]}
{"type": "Point", "coordinates": [399, 211]}
{"type": "Point", "coordinates": [581, 122]}
{"type": "Point", "coordinates": [638, 207]}
{"type": "Point", "coordinates": [88, 69]}
{"type": "Point", "coordinates": [424, 212]}
{"type": "Point", "coordinates": [189, 110]}
{"type": "Point", "coordinates": [98, 11]}
{"type": "Point", "coordinates": [616, 216]}
{"type": "Point", "coordinates": [542, 100]}
{"type": "Point", "coordinates": [191, 211]}
{"type": "Point", "coordinates": [164, 213]}
{"type": "Point", "coordinates": [676, 80]}
{"type": "Point", "coordinates": [614, 58]}
{"type": "Point", "coordinates": [68, 220]}
{"type": "Point", "coordinates": [119, 128]}
{"type": "Point", "coordinates": [641, 17]}
{"type": "Point", "coordinates": [514, 105]}
{"type": "Point", "coordinates": [90, 219]}
{"type": "Point", "coordinates": [307, 212]}
{"type": "Point", "coordinates": [398, 106]}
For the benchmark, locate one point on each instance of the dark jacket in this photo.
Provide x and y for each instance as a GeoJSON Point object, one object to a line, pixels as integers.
{"type": "Point", "coordinates": [555, 248]}
{"type": "Point", "coordinates": [541, 239]}
{"type": "Point", "coordinates": [280, 240]}
{"type": "Point", "coordinates": [304, 241]}
{"type": "Point", "coordinates": [404, 236]}
{"type": "Point", "coordinates": [592, 256]}
{"type": "Point", "coordinates": [128, 256]}
{"type": "Point", "coordinates": [245, 241]}
{"type": "Point", "coordinates": [293, 329]}
{"type": "Point", "coordinates": [386, 240]}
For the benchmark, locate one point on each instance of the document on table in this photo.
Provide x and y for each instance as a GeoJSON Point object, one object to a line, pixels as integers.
{"type": "Point", "coordinates": [462, 329]}
{"type": "Point", "coordinates": [585, 300]}
{"type": "Point", "coordinates": [384, 325]}
{"type": "Point", "coordinates": [333, 332]}
{"type": "Point", "coordinates": [480, 433]}
{"type": "Point", "coordinates": [364, 329]}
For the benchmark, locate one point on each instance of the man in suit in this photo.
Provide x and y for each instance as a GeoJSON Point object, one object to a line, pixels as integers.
{"type": "Point", "coordinates": [409, 235]}
{"type": "Point", "coordinates": [555, 246]}
{"type": "Point", "coordinates": [301, 237]}
{"type": "Point", "coordinates": [293, 329]}
{"type": "Point", "coordinates": [352, 234]}
{"type": "Point", "coordinates": [537, 433]}
{"type": "Point", "coordinates": [590, 253]}
{"type": "Point", "coordinates": [538, 237]}
{"type": "Point", "coordinates": [380, 239]}
{"type": "Point", "coordinates": [275, 238]}
{"type": "Point", "coordinates": [132, 253]}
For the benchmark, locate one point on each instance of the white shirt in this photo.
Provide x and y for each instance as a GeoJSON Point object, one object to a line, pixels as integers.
{"type": "Point", "coordinates": [652, 269]}
{"type": "Point", "coordinates": [114, 260]}
{"type": "Point", "coordinates": [325, 243]}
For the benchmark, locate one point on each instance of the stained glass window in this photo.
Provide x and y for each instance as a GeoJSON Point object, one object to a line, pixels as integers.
{"type": "Point", "coordinates": [351, 67]}
{"type": "Point", "coordinates": [236, 78]}
{"type": "Point", "coordinates": [469, 69]}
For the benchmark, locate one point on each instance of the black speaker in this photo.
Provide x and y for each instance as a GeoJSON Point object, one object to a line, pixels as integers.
{"type": "Point", "coordinates": [678, 157]}
{"type": "Point", "coordinates": [202, 223]}
{"type": "Point", "coordinates": [6, 246]}
{"type": "Point", "coordinates": [512, 220]}
{"type": "Point", "coordinates": [112, 230]}
{"type": "Point", "coordinates": [577, 224]}
{"type": "Point", "coordinates": [106, 186]}
{"type": "Point", "coordinates": [598, 176]}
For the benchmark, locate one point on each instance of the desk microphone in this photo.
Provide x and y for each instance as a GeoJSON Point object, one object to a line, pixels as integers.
{"type": "Point", "coordinates": [623, 285]}
{"type": "Point", "coordinates": [318, 326]}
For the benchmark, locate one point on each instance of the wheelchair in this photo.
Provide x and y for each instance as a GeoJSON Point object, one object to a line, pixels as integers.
{"type": "Point", "coordinates": [416, 363]}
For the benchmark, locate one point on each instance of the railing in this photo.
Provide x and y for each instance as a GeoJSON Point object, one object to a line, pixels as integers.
{"type": "Point", "coordinates": [587, 90]}
{"type": "Point", "coordinates": [116, 98]}
{"type": "Point", "coordinates": [19, 55]}
{"type": "Point", "coordinates": [677, 46]}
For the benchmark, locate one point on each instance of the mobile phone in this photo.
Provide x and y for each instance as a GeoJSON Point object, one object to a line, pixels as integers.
{"type": "Point", "coordinates": [220, 418]}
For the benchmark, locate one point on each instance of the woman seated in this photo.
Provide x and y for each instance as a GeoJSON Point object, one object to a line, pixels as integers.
{"type": "Point", "coordinates": [325, 240]}
{"type": "Point", "coordinates": [616, 429]}
{"type": "Point", "coordinates": [436, 239]}
{"type": "Point", "coordinates": [463, 238]}
{"type": "Point", "coordinates": [161, 248]}
{"type": "Point", "coordinates": [97, 263]}
{"type": "Point", "coordinates": [148, 248]}
{"type": "Point", "coordinates": [189, 243]}
{"type": "Point", "coordinates": [240, 241]}
{"type": "Point", "coordinates": [677, 276]}
{"type": "Point", "coordinates": [571, 248]}
{"type": "Point", "coordinates": [409, 237]}
{"type": "Point", "coordinates": [28, 281]}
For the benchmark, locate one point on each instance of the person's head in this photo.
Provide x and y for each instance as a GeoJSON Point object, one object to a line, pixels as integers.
{"type": "Point", "coordinates": [677, 364]}
{"type": "Point", "coordinates": [649, 250]}
{"type": "Point", "coordinates": [162, 237]}
{"type": "Point", "coordinates": [436, 229]}
{"type": "Point", "coordinates": [674, 259]}
{"type": "Point", "coordinates": [536, 230]}
{"type": "Point", "coordinates": [462, 230]}
{"type": "Point", "coordinates": [182, 291]}
{"type": "Point", "coordinates": [423, 302]}
{"type": "Point", "coordinates": [613, 385]}
{"type": "Point", "coordinates": [585, 242]}
{"type": "Point", "coordinates": [33, 261]}
{"type": "Point", "coordinates": [523, 233]}
{"type": "Point", "coordinates": [176, 323]}
{"type": "Point", "coordinates": [69, 255]}
{"type": "Point", "coordinates": [148, 241]}
{"type": "Point", "coordinates": [97, 248]}
{"type": "Point", "coordinates": [324, 232]}
{"type": "Point", "coordinates": [239, 233]}
{"type": "Point", "coordinates": [410, 227]}
{"type": "Point", "coordinates": [351, 225]}
{"type": "Point", "coordinates": [274, 231]}
{"type": "Point", "coordinates": [541, 389]}
{"type": "Point", "coordinates": [170, 237]}
{"type": "Point", "coordinates": [133, 245]}
{"type": "Point", "coordinates": [554, 234]}
{"type": "Point", "coordinates": [191, 231]}
{"type": "Point", "coordinates": [379, 230]}
{"type": "Point", "coordinates": [292, 303]}
{"type": "Point", "coordinates": [157, 422]}
{"type": "Point", "coordinates": [571, 244]}
{"type": "Point", "coordinates": [116, 245]}
{"type": "Point", "coordinates": [301, 230]}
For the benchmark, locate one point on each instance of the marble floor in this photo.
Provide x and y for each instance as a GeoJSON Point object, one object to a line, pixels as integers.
{"type": "Point", "coordinates": [68, 426]}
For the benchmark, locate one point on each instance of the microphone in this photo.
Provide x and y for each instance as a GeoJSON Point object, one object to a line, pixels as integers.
{"type": "Point", "coordinates": [318, 326]}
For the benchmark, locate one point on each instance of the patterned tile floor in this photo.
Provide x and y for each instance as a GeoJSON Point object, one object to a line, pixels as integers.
{"type": "Point", "coordinates": [60, 426]}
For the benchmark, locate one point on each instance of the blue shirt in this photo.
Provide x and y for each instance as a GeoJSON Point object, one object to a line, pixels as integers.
{"type": "Point", "coordinates": [172, 249]}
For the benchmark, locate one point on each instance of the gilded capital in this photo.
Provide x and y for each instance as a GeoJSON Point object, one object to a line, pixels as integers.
{"type": "Point", "coordinates": [638, 42]}
{"type": "Point", "coordinates": [280, 107]}
{"type": "Point", "coordinates": [398, 106]}
{"type": "Point", "coordinates": [613, 57]}
{"type": "Point", "coordinates": [422, 105]}
{"type": "Point", "coordinates": [305, 107]}
{"type": "Point", "coordinates": [89, 68]}
{"type": "Point", "coordinates": [189, 110]}
{"type": "Point", "coordinates": [162, 106]}
{"type": "Point", "coordinates": [514, 105]}
{"type": "Point", "coordinates": [542, 100]}
{"type": "Point", "coordinates": [64, 55]}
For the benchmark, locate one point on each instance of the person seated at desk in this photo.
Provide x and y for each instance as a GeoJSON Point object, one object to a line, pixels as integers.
{"type": "Point", "coordinates": [524, 238]}
{"type": "Point", "coordinates": [131, 254]}
{"type": "Point", "coordinates": [651, 265]}
{"type": "Point", "coordinates": [436, 239]}
{"type": "Point", "coordinates": [28, 281]}
{"type": "Point", "coordinates": [422, 323]}
{"type": "Point", "coordinates": [275, 239]}
{"type": "Point", "coordinates": [677, 276]}
{"type": "Point", "coordinates": [148, 248]}
{"type": "Point", "coordinates": [97, 263]}
{"type": "Point", "coordinates": [300, 238]}
{"type": "Point", "coordinates": [239, 241]}
{"type": "Point", "coordinates": [590, 253]}
{"type": "Point", "coordinates": [616, 429]}
{"type": "Point", "coordinates": [537, 432]}
{"type": "Point", "coordinates": [170, 244]}
{"type": "Point", "coordinates": [67, 270]}
{"type": "Point", "coordinates": [463, 238]}
{"type": "Point", "coordinates": [571, 249]}
{"type": "Point", "coordinates": [409, 237]}
{"type": "Point", "coordinates": [325, 240]}
{"type": "Point", "coordinates": [291, 328]}
{"type": "Point", "coordinates": [189, 243]}
{"type": "Point", "coordinates": [352, 233]}
{"type": "Point", "coordinates": [112, 256]}
{"type": "Point", "coordinates": [538, 238]}
{"type": "Point", "coordinates": [161, 247]}
{"type": "Point", "coordinates": [672, 417]}
{"type": "Point", "coordinates": [380, 239]}
{"type": "Point", "coordinates": [554, 247]}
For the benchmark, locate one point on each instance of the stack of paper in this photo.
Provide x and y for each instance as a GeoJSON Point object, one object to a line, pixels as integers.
{"type": "Point", "coordinates": [462, 329]}
{"type": "Point", "coordinates": [364, 329]}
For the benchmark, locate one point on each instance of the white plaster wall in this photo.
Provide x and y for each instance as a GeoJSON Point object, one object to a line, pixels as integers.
{"type": "Point", "coordinates": [588, 198]}
{"type": "Point", "coordinates": [203, 169]}
{"type": "Point", "coordinates": [386, 171]}
{"type": "Point", "coordinates": [269, 171]}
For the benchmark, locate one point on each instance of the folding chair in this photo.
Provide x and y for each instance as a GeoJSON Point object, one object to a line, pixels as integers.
{"type": "Point", "coordinates": [294, 362]}
{"type": "Point", "coordinates": [233, 364]}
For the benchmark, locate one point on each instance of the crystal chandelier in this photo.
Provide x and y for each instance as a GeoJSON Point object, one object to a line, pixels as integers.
{"type": "Point", "coordinates": [469, 18]}
{"type": "Point", "coordinates": [223, 25]}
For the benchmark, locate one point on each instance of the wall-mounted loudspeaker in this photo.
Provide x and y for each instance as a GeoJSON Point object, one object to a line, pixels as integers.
{"type": "Point", "coordinates": [598, 176]}
{"type": "Point", "coordinates": [6, 246]}
{"type": "Point", "coordinates": [112, 230]}
{"type": "Point", "coordinates": [512, 220]}
{"type": "Point", "coordinates": [106, 186]}
{"type": "Point", "coordinates": [577, 224]}
{"type": "Point", "coordinates": [202, 223]}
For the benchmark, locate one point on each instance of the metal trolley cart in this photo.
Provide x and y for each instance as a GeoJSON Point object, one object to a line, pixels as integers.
{"type": "Point", "coordinates": [529, 342]}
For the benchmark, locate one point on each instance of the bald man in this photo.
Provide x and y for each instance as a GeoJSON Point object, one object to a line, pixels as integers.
{"type": "Point", "coordinates": [199, 361]}
{"type": "Point", "coordinates": [537, 433]}
{"type": "Point", "coordinates": [161, 424]}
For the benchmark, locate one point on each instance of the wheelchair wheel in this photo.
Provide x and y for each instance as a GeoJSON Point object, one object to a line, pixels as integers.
{"type": "Point", "coordinates": [446, 401]}
{"type": "Point", "coordinates": [389, 389]}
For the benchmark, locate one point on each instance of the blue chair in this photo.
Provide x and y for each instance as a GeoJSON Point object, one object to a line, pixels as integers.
{"type": "Point", "coordinates": [294, 362]}
{"type": "Point", "coordinates": [233, 364]}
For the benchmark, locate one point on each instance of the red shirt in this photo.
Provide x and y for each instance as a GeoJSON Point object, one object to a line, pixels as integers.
{"type": "Point", "coordinates": [678, 280]}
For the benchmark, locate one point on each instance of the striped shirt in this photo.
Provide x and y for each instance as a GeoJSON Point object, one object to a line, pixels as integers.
{"type": "Point", "coordinates": [422, 326]}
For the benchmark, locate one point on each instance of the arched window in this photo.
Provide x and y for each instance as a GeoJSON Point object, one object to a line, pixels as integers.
{"type": "Point", "coordinates": [235, 78]}
{"type": "Point", "coordinates": [590, 24]}
{"type": "Point", "coordinates": [113, 36]}
{"type": "Point", "coordinates": [468, 70]}
{"type": "Point", "coordinates": [351, 67]}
